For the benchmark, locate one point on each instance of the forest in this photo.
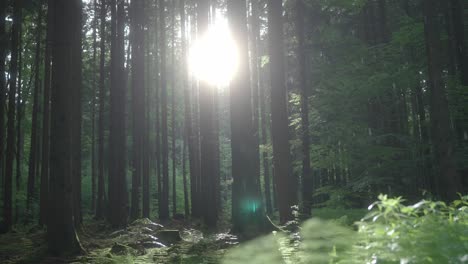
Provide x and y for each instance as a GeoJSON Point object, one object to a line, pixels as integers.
{"type": "Point", "coordinates": [234, 131]}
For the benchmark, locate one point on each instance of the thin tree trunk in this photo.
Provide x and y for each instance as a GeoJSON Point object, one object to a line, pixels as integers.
{"type": "Point", "coordinates": [262, 104]}
{"type": "Point", "coordinates": [19, 121]}
{"type": "Point", "coordinates": [173, 111]}
{"type": "Point", "coordinates": [157, 139]}
{"type": "Point", "coordinates": [77, 117]}
{"type": "Point", "coordinates": [189, 136]}
{"type": "Point", "coordinates": [44, 191]}
{"type": "Point", "coordinates": [33, 158]}
{"type": "Point", "coordinates": [207, 135]}
{"type": "Point", "coordinates": [184, 175]}
{"type": "Point", "coordinates": [93, 110]}
{"type": "Point", "coordinates": [138, 103]}
{"type": "Point", "coordinates": [118, 196]}
{"type": "Point", "coordinates": [307, 181]}
{"type": "Point", "coordinates": [164, 203]}
{"type": "Point", "coordinates": [102, 76]}
{"type": "Point", "coordinates": [3, 52]}
{"type": "Point", "coordinates": [10, 147]}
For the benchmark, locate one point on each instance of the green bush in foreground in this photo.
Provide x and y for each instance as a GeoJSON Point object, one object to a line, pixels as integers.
{"type": "Point", "coordinates": [426, 232]}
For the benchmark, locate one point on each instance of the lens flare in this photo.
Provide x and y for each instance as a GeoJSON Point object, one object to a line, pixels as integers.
{"type": "Point", "coordinates": [213, 57]}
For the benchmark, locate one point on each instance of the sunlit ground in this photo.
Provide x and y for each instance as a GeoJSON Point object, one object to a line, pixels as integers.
{"type": "Point", "coordinates": [213, 57]}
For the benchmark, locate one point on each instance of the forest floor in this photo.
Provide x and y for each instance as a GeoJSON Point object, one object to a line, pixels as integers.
{"type": "Point", "coordinates": [142, 242]}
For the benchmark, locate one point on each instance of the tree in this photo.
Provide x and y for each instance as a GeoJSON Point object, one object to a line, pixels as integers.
{"type": "Point", "coordinates": [44, 189]}
{"type": "Point", "coordinates": [3, 49]}
{"type": "Point", "coordinates": [118, 197]}
{"type": "Point", "coordinates": [61, 234]}
{"type": "Point", "coordinates": [138, 103]}
{"type": "Point", "coordinates": [247, 205]}
{"type": "Point", "coordinates": [93, 109]}
{"type": "Point", "coordinates": [188, 133]}
{"type": "Point", "coordinates": [33, 152]}
{"type": "Point", "coordinates": [285, 183]}
{"type": "Point", "coordinates": [173, 110]}
{"type": "Point", "coordinates": [207, 134]}
{"type": "Point", "coordinates": [10, 147]}
{"type": "Point", "coordinates": [448, 181]}
{"type": "Point", "coordinates": [164, 203]}
{"type": "Point", "coordinates": [102, 77]}
{"type": "Point", "coordinates": [307, 181]}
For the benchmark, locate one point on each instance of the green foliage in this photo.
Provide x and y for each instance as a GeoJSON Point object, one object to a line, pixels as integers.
{"type": "Point", "coordinates": [426, 232]}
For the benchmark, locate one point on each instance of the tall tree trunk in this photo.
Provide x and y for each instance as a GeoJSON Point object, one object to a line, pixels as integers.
{"type": "Point", "coordinates": [173, 111]}
{"type": "Point", "coordinates": [138, 103]}
{"type": "Point", "coordinates": [307, 181]}
{"type": "Point", "coordinates": [247, 205]}
{"type": "Point", "coordinates": [77, 118]}
{"type": "Point", "coordinates": [93, 110]}
{"type": "Point", "coordinates": [285, 181]}
{"type": "Point", "coordinates": [262, 104]}
{"type": "Point", "coordinates": [3, 52]}
{"type": "Point", "coordinates": [19, 121]}
{"type": "Point", "coordinates": [189, 140]}
{"type": "Point", "coordinates": [10, 147]}
{"type": "Point", "coordinates": [207, 135]}
{"type": "Point", "coordinates": [448, 180]}
{"type": "Point", "coordinates": [254, 50]}
{"type": "Point", "coordinates": [157, 138]}
{"type": "Point", "coordinates": [164, 203]}
{"type": "Point", "coordinates": [118, 197]}
{"type": "Point", "coordinates": [102, 76]}
{"type": "Point", "coordinates": [33, 158]}
{"type": "Point", "coordinates": [61, 235]}
{"type": "Point", "coordinates": [44, 191]}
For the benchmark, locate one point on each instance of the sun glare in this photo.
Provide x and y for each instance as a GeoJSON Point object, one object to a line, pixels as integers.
{"type": "Point", "coordinates": [213, 57]}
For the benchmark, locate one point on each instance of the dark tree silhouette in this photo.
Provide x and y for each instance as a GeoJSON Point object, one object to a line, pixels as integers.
{"type": "Point", "coordinates": [285, 183]}
{"type": "Point", "coordinates": [247, 204]}
{"type": "Point", "coordinates": [118, 196]}
{"type": "Point", "coordinates": [10, 147]}
{"type": "Point", "coordinates": [448, 181]}
{"type": "Point", "coordinates": [164, 203]}
{"type": "Point", "coordinates": [61, 235]}
{"type": "Point", "coordinates": [102, 76]}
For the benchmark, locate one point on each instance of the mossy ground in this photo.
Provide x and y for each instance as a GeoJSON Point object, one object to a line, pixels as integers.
{"type": "Point", "coordinates": [30, 247]}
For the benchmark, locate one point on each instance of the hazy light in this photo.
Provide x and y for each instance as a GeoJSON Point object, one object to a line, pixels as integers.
{"type": "Point", "coordinates": [213, 57]}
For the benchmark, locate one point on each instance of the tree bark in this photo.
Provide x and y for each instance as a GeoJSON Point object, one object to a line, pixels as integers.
{"type": "Point", "coordinates": [173, 111]}
{"type": "Point", "coordinates": [93, 109]}
{"type": "Point", "coordinates": [61, 235]}
{"type": "Point", "coordinates": [10, 147]}
{"type": "Point", "coordinates": [207, 135]}
{"type": "Point", "coordinates": [102, 76]}
{"type": "Point", "coordinates": [247, 205]}
{"type": "Point", "coordinates": [118, 196]}
{"type": "Point", "coordinates": [44, 189]}
{"type": "Point", "coordinates": [285, 181]}
{"type": "Point", "coordinates": [33, 153]}
{"type": "Point", "coordinates": [307, 181]}
{"type": "Point", "coordinates": [164, 203]}
{"type": "Point", "coordinates": [448, 181]}
{"type": "Point", "coordinates": [138, 103]}
{"type": "Point", "coordinates": [3, 52]}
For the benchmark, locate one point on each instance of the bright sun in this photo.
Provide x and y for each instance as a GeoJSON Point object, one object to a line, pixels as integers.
{"type": "Point", "coordinates": [213, 57]}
